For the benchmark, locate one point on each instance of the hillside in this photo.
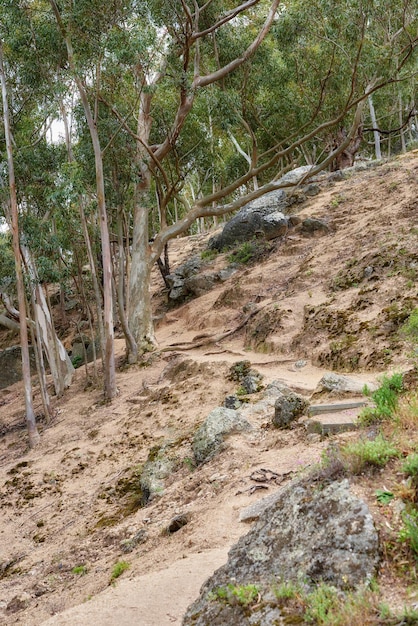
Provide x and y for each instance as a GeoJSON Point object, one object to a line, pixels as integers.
{"type": "Point", "coordinates": [333, 299]}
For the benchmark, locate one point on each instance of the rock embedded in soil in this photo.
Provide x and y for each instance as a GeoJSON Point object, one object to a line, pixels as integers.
{"type": "Point", "coordinates": [209, 438]}
{"type": "Point", "coordinates": [307, 534]}
{"type": "Point", "coordinates": [177, 522]}
{"type": "Point", "coordinates": [288, 407]}
{"type": "Point", "coordinates": [156, 469]}
{"type": "Point", "coordinates": [339, 384]}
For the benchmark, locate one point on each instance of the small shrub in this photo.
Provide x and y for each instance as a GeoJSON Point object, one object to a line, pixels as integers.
{"type": "Point", "coordinates": [243, 254]}
{"type": "Point", "coordinates": [77, 361]}
{"type": "Point", "coordinates": [249, 251]}
{"type": "Point", "coordinates": [245, 595]}
{"type": "Point", "coordinates": [386, 399]}
{"type": "Point", "coordinates": [409, 532]}
{"type": "Point", "coordinates": [410, 328]}
{"type": "Point", "coordinates": [410, 466]}
{"type": "Point", "coordinates": [321, 602]}
{"type": "Point", "coordinates": [286, 591]}
{"type": "Point", "coordinates": [383, 496]}
{"type": "Point", "coordinates": [118, 569]}
{"type": "Point", "coordinates": [209, 255]}
{"type": "Point", "coordinates": [372, 453]}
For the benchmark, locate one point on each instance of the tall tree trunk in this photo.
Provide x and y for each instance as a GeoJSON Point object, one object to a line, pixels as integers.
{"type": "Point", "coordinates": [62, 369]}
{"type": "Point", "coordinates": [140, 312]}
{"type": "Point", "coordinates": [120, 288]}
{"type": "Point", "coordinates": [402, 130]}
{"type": "Point", "coordinates": [14, 222]}
{"type": "Point", "coordinates": [376, 134]}
{"type": "Point", "coordinates": [110, 389]}
{"type": "Point", "coordinates": [40, 366]}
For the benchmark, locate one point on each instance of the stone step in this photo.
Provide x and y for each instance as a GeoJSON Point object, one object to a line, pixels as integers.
{"type": "Point", "coordinates": [334, 407]}
{"type": "Point", "coordinates": [331, 423]}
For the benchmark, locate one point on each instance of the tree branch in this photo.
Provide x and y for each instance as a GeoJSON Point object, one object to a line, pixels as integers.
{"type": "Point", "coordinates": [226, 18]}
{"type": "Point", "coordinates": [203, 81]}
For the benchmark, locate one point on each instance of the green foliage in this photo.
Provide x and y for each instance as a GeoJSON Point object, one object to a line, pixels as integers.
{"type": "Point", "coordinates": [248, 251]}
{"type": "Point", "coordinates": [244, 254]}
{"type": "Point", "coordinates": [118, 569]}
{"type": "Point", "coordinates": [80, 570]}
{"type": "Point", "coordinates": [286, 590]}
{"type": "Point", "coordinates": [368, 453]}
{"type": "Point", "coordinates": [322, 602]}
{"type": "Point", "coordinates": [7, 263]}
{"type": "Point", "coordinates": [386, 399]}
{"type": "Point", "coordinates": [77, 361]}
{"type": "Point", "coordinates": [383, 496]}
{"type": "Point", "coordinates": [410, 466]}
{"type": "Point", "coordinates": [244, 595]}
{"type": "Point", "coordinates": [209, 255]}
{"type": "Point", "coordinates": [410, 331]}
{"type": "Point", "coordinates": [409, 532]}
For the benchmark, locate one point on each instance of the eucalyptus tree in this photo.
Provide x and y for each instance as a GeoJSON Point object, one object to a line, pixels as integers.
{"type": "Point", "coordinates": [320, 64]}
{"type": "Point", "coordinates": [34, 162]}
{"type": "Point", "coordinates": [14, 224]}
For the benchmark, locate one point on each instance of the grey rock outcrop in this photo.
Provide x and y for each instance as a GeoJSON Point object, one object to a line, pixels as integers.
{"type": "Point", "coordinates": [209, 438]}
{"type": "Point", "coordinates": [288, 407]}
{"type": "Point", "coordinates": [264, 216]}
{"type": "Point", "coordinates": [309, 535]}
{"type": "Point", "coordinates": [312, 225]}
{"type": "Point", "coordinates": [156, 469]}
{"type": "Point", "coordinates": [176, 280]}
{"type": "Point", "coordinates": [339, 384]}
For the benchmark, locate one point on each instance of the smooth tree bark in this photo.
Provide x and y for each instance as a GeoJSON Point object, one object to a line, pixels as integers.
{"type": "Point", "coordinates": [14, 224]}
{"type": "Point", "coordinates": [376, 134]}
{"type": "Point", "coordinates": [110, 389]}
{"type": "Point", "coordinates": [60, 365]}
{"type": "Point", "coordinates": [9, 323]}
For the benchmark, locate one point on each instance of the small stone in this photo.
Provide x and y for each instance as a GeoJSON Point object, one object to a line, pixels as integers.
{"type": "Point", "coordinates": [177, 522]}
{"type": "Point", "coordinates": [128, 545]}
{"type": "Point", "coordinates": [232, 402]}
{"type": "Point", "coordinates": [313, 438]}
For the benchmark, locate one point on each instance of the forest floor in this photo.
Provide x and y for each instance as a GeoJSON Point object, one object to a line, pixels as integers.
{"type": "Point", "coordinates": [68, 508]}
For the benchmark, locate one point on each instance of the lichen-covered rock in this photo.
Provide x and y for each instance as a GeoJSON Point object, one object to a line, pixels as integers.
{"type": "Point", "coordinates": [338, 384]}
{"type": "Point", "coordinates": [209, 438]}
{"type": "Point", "coordinates": [176, 280]}
{"type": "Point", "coordinates": [308, 535]}
{"type": "Point", "coordinates": [263, 216]}
{"type": "Point", "coordinates": [312, 225]}
{"type": "Point", "coordinates": [156, 469]}
{"type": "Point", "coordinates": [288, 407]}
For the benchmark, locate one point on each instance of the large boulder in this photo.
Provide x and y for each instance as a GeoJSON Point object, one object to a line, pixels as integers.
{"type": "Point", "coordinates": [288, 407]}
{"type": "Point", "coordinates": [264, 216]}
{"type": "Point", "coordinates": [209, 438]}
{"type": "Point", "coordinates": [309, 534]}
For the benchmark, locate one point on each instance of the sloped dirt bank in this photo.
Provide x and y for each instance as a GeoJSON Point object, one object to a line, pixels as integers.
{"type": "Point", "coordinates": [71, 509]}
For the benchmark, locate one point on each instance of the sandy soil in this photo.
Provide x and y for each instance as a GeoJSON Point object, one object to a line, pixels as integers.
{"type": "Point", "coordinates": [68, 506]}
